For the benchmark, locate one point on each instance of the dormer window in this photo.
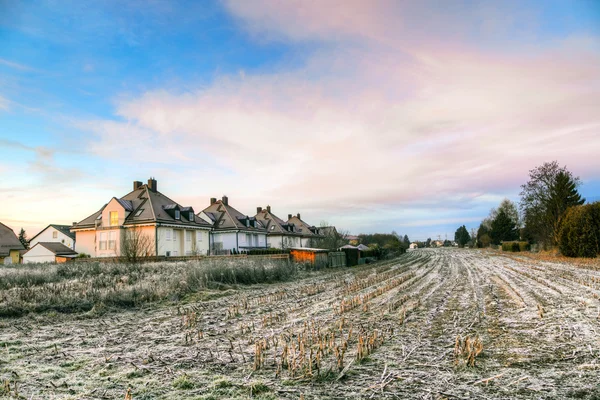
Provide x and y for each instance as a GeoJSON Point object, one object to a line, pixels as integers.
{"type": "Point", "coordinates": [248, 222]}
{"type": "Point", "coordinates": [177, 214]}
{"type": "Point", "coordinates": [191, 217]}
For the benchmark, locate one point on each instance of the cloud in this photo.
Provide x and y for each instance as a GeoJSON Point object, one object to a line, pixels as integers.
{"type": "Point", "coordinates": [17, 66]}
{"type": "Point", "coordinates": [380, 121]}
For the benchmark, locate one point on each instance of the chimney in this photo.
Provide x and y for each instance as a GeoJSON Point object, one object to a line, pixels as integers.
{"type": "Point", "coordinates": [258, 210]}
{"type": "Point", "coordinates": [298, 216]}
{"type": "Point", "coordinates": [136, 185]}
{"type": "Point", "coordinates": [225, 200]}
{"type": "Point", "coordinates": [74, 223]}
{"type": "Point", "coordinates": [152, 184]}
{"type": "Point", "coordinates": [268, 209]}
{"type": "Point", "coordinates": [213, 200]}
{"type": "Point", "coordinates": [289, 216]}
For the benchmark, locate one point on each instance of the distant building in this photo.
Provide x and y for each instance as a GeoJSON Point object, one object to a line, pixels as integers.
{"type": "Point", "coordinates": [232, 230]}
{"type": "Point", "coordinates": [413, 246]}
{"type": "Point", "coordinates": [10, 245]}
{"type": "Point", "coordinates": [353, 240]}
{"type": "Point", "coordinates": [48, 252]}
{"type": "Point", "coordinates": [159, 226]}
{"type": "Point", "coordinates": [56, 234]}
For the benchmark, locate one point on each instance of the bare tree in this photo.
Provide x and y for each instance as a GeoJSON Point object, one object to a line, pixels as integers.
{"type": "Point", "coordinates": [135, 244]}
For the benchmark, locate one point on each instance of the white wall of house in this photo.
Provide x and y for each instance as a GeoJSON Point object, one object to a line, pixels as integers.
{"type": "Point", "coordinates": [227, 240]}
{"type": "Point", "coordinates": [275, 241]}
{"type": "Point", "coordinates": [108, 242]}
{"type": "Point", "coordinates": [85, 242]}
{"type": "Point", "coordinates": [39, 254]}
{"type": "Point", "coordinates": [177, 242]}
{"type": "Point", "coordinates": [51, 234]}
{"type": "Point", "coordinates": [304, 242]}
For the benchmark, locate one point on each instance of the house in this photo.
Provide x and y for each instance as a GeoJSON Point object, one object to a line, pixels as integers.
{"type": "Point", "coordinates": [232, 230]}
{"type": "Point", "coordinates": [10, 246]}
{"type": "Point", "coordinates": [55, 234]}
{"type": "Point", "coordinates": [413, 246]}
{"type": "Point", "coordinates": [280, 234]}
{"type": "Point", "coordinates": [309, 233]}
{"type": "Point", "coordinates": [144, 222]}
{"type": "Point", "coordinates": [49, 252]}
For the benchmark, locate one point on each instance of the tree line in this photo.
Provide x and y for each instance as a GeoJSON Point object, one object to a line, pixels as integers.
{"type": "Point", "coordinates": [551, 213]}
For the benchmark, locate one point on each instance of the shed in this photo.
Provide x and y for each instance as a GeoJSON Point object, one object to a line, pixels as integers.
{"type": "Point", "coordinates": [49, 252]}
{"type": "Point", "coordinates": [317, 258]}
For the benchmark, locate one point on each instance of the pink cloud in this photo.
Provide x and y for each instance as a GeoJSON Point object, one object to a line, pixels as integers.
{"type": "Point", "coordinates": [364, 125]}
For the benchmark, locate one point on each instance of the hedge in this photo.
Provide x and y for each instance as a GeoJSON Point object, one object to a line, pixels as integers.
{"type": "Point", "coordinates": [515, 246]}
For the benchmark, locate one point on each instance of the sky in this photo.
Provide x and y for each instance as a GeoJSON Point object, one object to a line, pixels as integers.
{"type": "Point", "coordinates": [375, 116]}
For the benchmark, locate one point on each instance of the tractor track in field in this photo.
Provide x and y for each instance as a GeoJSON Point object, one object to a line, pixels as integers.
{"type": "Point", "coordinates": [538, 323]}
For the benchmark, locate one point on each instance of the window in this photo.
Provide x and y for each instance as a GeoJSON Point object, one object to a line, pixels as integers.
{"type": "Point", "coordinates": [102, 241]}
{"type": "Point", "coordinates": [54, 235]}
{"type": "Point", "coordinates": [112, 242]}
{"type": "Point", "coordinates": [177, 214]}
{"type": "Point", "coordinates": [256, 240]}
{"type": "Point", "coordinates": [273, 227]}
{"type": "Point", "coordinates": [139, 212]}
{"type": "Point", "coordinates": [248, 239]}
{"type": "Point", "coordinates": [191, 217]}
{"type": "Point", "coordinates": [114, 218]}
{"type": "Point", "coordinates": [199, 236]}
{"type": "Point", "coordinates": [188, 236]}
{"type": "Point", "coordinates": [168, 234]}
{"type": "Point", "coordinates": [222, 222]}
{"type": "Point", "coordinates": [174, 235]}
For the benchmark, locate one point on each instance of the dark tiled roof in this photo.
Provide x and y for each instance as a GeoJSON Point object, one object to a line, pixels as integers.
{"type": "Point", "coordinates": [147, 206]}
{"type": "Point", "coordinates": [8, 240]}
{"type": "Point", "coordinates": [58, 248]}
{"type": "Point", "coordinates": [302, 227]}
{"type": "Point", "coordinates": [227, 217]}
{"type": "Point", "coordinates": [274, 224]}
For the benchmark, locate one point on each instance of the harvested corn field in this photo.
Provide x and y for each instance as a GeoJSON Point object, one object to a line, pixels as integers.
{"type": "Point", "coordinates": [432, 324]}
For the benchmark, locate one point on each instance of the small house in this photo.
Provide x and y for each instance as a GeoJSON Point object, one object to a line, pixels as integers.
{"type": "Point", "coordinates": [55, 233]}
{"type": "Point", "coordinates": [49, 252]}
{"type": "Point", "coordinates": [10, 245]}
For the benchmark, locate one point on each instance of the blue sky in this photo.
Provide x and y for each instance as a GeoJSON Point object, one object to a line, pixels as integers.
{"type": "Point", "coordinates": [373, 116]}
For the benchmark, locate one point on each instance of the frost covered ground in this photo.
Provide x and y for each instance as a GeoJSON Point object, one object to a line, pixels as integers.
{"type": "Point", "coordinates": [433, 324]}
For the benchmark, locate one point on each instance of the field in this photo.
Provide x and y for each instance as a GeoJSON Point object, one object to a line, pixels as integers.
{"type": "Point", "coordinates": [432, 324]}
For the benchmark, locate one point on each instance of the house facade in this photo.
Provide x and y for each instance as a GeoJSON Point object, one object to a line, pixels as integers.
{"type": "Point", "coordinates": [308, 233]}
{"type": "Point", "coordinates": [54, 233]}
{"type": "Point", "coordinates": [144, 221]}
{"type": "Point", "coordinates": [280, 234]}
{"type": "Point", "coordinates": [48, 252]}
{"type": "Point", "coordinates": [10, 246]}
{"type": "Point", "coordinates": [232, 230]}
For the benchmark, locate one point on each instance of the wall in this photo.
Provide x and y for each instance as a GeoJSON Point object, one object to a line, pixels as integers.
{"type": "Point", "coordinates": [85, 242]}
{"type": "Point", "coordinates": [38, 254]}
{"type": "Point", "coordinates": [198, 244]}
{"type": "Point", "coordinates": [113, 205]}
{"type": "Point", "coordinates": [46, 236]}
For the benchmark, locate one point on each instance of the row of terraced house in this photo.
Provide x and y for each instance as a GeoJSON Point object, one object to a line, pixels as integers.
{"type": "Point", "coordinates": [166, 228]}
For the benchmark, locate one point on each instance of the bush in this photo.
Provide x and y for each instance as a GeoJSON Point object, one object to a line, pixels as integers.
{"type": "Point", "coordinates": [515, 247]}
{"type": "Point", "coordinates": [580, 231]}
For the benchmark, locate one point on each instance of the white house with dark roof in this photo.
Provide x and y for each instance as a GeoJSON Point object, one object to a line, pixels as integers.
{"type": "Point", "coordinates": [280, 234]}
{"type": "Point", "coordinates": [48, 252]}
{"type": "Point", "coordinates": [168, 228]}
{"type": "Point", "coordinates": [54, 233]}
{"type": "Point", "coordinates": [232, 230]}
{"type": "Point", "coordinates": [307, 232]}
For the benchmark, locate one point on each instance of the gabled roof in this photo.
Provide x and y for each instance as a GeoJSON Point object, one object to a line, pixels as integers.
{"type": "Point", "coordinates": [273, 224]}
{"type": "Point", "coordinates": [302, 227]}
{"type": "Point", "coordinates": [57, 248]}
{"type": "Point", "coordinates": [64, 229]}
{"type": "Point", "coordinates": [146, 206]}
{"type": "Point", "coordinates": [8, 240]}
{"type": "Point", "coordinates": [226, 217]}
